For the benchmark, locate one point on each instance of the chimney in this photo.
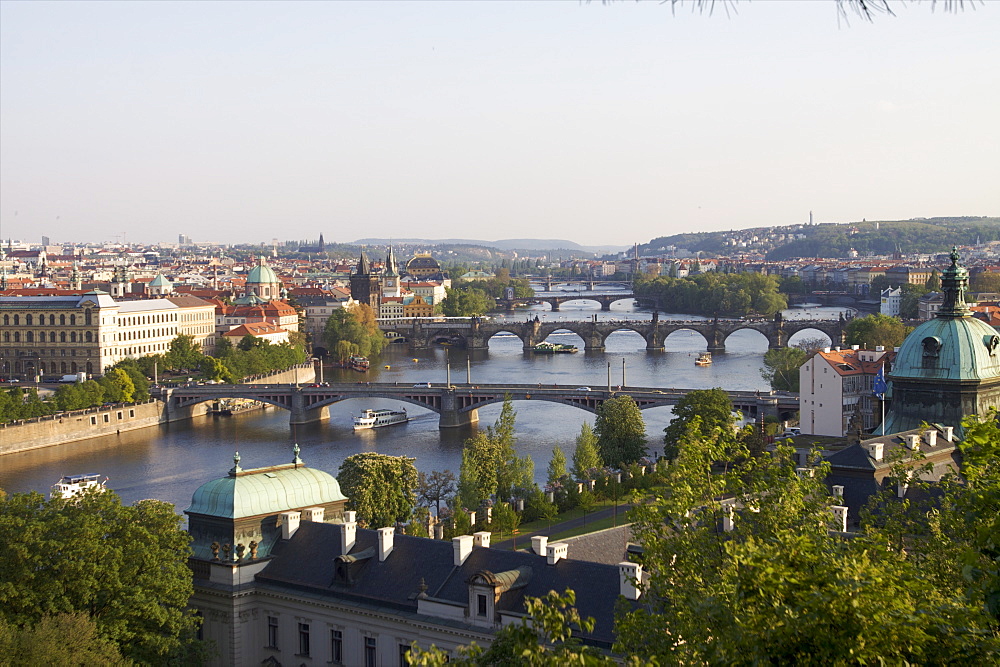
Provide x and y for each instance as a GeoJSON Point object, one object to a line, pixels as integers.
{"type": "Point", "coordinates": [913, 442]}
{"type": "Point", "coordinates": [838, 490]}
{"type": "Point", "coordinates": [931, 435]}
{"type": "Point", "coordinates": [462, 547]}
{"type": "Point", "coordinates": [855, 347]}
{"type": "Point", "coordinates": [728, 516]}
{"type": "Point", "coordinates": [538, 543]}
{"type": "Point", "coordinates": [556, 552]}
{"type": "Point", "coordinates": [840, 517]}
{"type": "Point", "coordinates": [348, 532]}
{"type": "Point", "coordinates": [629, 580]}
{"type": "Point", "coordinates": [289, 524]}
{"type": "Point", "coordinates": [949, 432]}
{"type": "Point", "coordinates": [314, 514]}
{"type": "Point", "coordinates": [826, 350]}
{"type": "Point", "coordinates": [880, 348]}
{"type": "Point", "coordinates": [385, 542]}
{"type": "Point", "coordinates": [875, 450]}
{"type": "Point", "coordinates": [802, 454]}
{"type": "Point", "coordinates": [482, 539]}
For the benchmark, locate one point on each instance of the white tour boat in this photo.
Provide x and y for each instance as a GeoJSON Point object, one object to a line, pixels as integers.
{"type": "Point", "coordinates": [379, 418]}
{"type": "Point", "coordinates": [75, 485]}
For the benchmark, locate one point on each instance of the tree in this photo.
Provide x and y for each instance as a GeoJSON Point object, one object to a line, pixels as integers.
{"type": "Point", "coordinates": [380, 487]}
{"type": "Point", "coordinates": [490, 464]}
{"type": "Point", "coordinates": [876, 329]}
{"type": "Point", "coordinates": [467, 302]}
{"type": "Point", "coordinates": [986, 281]}
{"type": "Point", "coordinates": [123, 566]}
{"type": "Point", "coordinates": [712, 409]}
{"type": "Point", "coordinates": [557, 466]}
{"type": "Point", "coordinates": [586, 456]}
{"type": "Point", "coordinates": [621, 431]}
{"type": "Point", "coordinates": [183, 353]}
{"type": "Point", "coordinates": [117, 385]}
{"type": "Point", "coordinates": [356, 326]}
{"type": "Point", "coordinates": [781, 367]}
{"type": "Point", "coordinates": [933, 283]}
{"type": "Point", "coordinates": [62, 640]}
{"type": "Point", "coordinates": [434, 488]}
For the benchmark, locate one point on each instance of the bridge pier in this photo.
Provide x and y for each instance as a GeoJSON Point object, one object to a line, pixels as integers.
{"type": "Point", "coordinates": [606, 305]}
{"type": "Point", "coordinates": [300, 414]}
{"type": "Point", "coordinates": [451, 416]}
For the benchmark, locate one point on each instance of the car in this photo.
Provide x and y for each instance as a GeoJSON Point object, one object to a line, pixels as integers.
{"type": "Point", "coordinates": [791, 432]}
{"type": "Point", "coordinates": [584, 389]}
{"type": "Point", "coordinates": [423, 385]}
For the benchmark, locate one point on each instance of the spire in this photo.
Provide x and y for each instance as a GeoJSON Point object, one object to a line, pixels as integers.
{"type": "Point", "coordinates": [390, 263]}
{"type": "Point", "coordinates": [364, 268]}
{"type": "Point", "coordinates": [236, 465]}
{"type": "Point", "coordinates": [954, 284]}
{"type": "Point", "coordinates": [322, 245]}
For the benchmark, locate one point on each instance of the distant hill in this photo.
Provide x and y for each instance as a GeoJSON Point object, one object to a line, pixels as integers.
{"type": "Point", "coordinates": [518, 245]}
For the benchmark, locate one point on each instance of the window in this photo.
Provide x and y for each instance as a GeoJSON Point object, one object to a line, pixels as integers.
{"type": "Point", "coordinates": [52, 320]}
{"type": "Point", "coordinates": [272, 632]}
{"type": "Point", "coordinates": [336, 646]}
{"type": "Point", "coordinates": [371, 655]}
{"type": "Point", "coordinates": [107, 418]}
{"type": "Point", "coordinates": [93, 420]}
{"type": "Point", "coordinates": [17, 320]}
{"type": "Point", "coordinates": [404, 651]}
{"type": "Point", "coordinates": [131, 413]}
{"type": "Point", "coordinates": [303, 639]}
{"type": "Point", "coordinates": [62, 320]}
{"type": "Point", "coordinates": [482, 605]}
{"type": "Point", "coordinates": [28, 320]}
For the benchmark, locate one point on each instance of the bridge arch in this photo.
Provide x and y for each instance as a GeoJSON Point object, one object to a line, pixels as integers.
{"type": "Point", "coordinates": [750, 332]}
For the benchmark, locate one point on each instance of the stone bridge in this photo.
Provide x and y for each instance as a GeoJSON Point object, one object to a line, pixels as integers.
{"type": "Point", "coordinates": [476, 332]}
{"type": "Point", "coordinates": [556, 300]}
{"type": "Point", "coordinates": [457, 405]}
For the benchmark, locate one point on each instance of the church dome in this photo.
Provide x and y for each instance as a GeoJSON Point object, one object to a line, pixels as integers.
{"type": "Point", "coordinates": [246, 493]}
{"type": "Point", "coordinates": [422, 264]}
{"type": "Point", "coordinates": [963, 348]}
{"type": "Point", "coordinates": [262, 274]}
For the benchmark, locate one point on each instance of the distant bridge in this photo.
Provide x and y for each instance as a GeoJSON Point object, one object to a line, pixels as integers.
{"type": "Point", "coordinates": [556, 299]}
{"type": "Point", "coordinates": [476, 332]}
{"type": "Point", "coordinates": [591, 283]}
{"type": "Point", "coordinates": [457, 405]}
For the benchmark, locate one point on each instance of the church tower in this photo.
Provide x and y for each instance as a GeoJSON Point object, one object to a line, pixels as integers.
{"type": "Point", "coordinates": [390, 277]}
{"type": "Point", "coordinates": [119, 284]}
{"type": "Point", "coordinates": [76, 280]}
{"type": "Point", "coordinates": [365, 286]}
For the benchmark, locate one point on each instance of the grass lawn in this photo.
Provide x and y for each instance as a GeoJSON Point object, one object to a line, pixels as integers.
{"type": "Point", "coordinates": [591, 527]}
{"type": "Point", "coordinates": [565, 516]}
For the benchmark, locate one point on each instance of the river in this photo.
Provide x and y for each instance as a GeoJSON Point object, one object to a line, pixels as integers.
{"type": "Point", "coordinates": [169, 462]}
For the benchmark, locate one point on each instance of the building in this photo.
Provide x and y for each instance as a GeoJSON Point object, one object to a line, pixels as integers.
{"type": "Point", "coordinates": [892, 301]}
{"type": "Point", "coordinates": [390, 277]}
{"type": "Point", "coordinates": [283, 575]}
{"type": "Point", "coordinates": [836, 391]}
{"type": "Point", "coordinates": [422, 265]}
{"type": "Point", "coordinates": [54, 335]}
{"type": "Point", "coordinates": [272, 333]}
{"type": "Point", "coordinates": [365, 285]}
{"type": "Point", "coordinates": [948, 367]}
{"type": "Point", "coordinates": [262, 283]}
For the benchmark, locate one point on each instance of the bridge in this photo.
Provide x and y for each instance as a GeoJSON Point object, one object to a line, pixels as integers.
{"type": "Point", "coordinates": [476, 332]}
{"type": "Point", "coordinates": [555, 300]}
{"type": "Point", "coordinates": [591, 283]}
{"type": "Point", "coordinates": [457, 405]}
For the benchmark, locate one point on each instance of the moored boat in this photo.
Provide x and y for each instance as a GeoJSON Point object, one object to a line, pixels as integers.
{"type": "Point", "coordinates": [704, 359]}
{"type": "Point", "coordinates": [554, 348]}
{"type": "Point", "coordinates": [378, 418]}
{"type": "Point", "coordinates": [358, 363]}
{"type": "Point", "coordinates": [75, 485]}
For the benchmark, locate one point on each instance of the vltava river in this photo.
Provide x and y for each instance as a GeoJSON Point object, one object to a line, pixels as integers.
{"type": "Point", "coordinates": [171, 461]}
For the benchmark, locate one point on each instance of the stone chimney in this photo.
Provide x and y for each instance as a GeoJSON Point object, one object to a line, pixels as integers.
{"type": "Point", "coordinates": [462, 547]}
{"type": "Point", "coordinates": [538, 543]}
{"type": "Point", "coordinates": [840, 517]}
{"type": "Point", "coordinates": [482, 539]}
{"type": "Point", "coordinates": [931, 435]}
{"type": "Point", "coordinates": [949, 433]}
{"type": "Point", "coordinates": [385, 542]}
{"type": "Point", "coordinates": [630, 580]}
{"type": "Point", "coordinates": [314, 514]}
{"type": "Point", "coordinates": [289, 524]}
{"type": "Point", "coordinates": [838, 490]}
{"type": "Point", "coordinates": [913, 442]}
{"type": "Point", "coordinates": [556, 552]}
{"type": "Point", "coordinates": [348, 532]}
{"type": "Point", "coordinates": [875, 450]}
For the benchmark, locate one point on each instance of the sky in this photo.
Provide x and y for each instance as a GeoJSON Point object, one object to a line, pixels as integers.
{"type": "Point", "coordinates": [601, 123]}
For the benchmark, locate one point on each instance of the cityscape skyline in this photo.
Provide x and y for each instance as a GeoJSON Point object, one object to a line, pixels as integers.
{"type": "Point", "coordinates": [607, 124]}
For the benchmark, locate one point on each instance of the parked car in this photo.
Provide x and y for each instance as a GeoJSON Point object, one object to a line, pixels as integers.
{"type": "Point", "coordinates": [584, 389]}
{"type": "Point", "coordinates": [791, 432]}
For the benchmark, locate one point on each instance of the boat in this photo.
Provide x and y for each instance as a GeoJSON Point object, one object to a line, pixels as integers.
{"type": "Point", "coordinates": [75, 485]}
{"type": "Point", "coordinates": [704, 359]}
{"type": "Point", "coordinates": [379, 418]}
{"type": "Point", "coordinates": [554, 348]}
{"type": "Point", "coordinates": [358, 363]}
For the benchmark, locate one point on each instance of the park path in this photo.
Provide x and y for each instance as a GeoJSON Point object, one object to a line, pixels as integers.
{"type": "Point", "coordinates": [524, 539]}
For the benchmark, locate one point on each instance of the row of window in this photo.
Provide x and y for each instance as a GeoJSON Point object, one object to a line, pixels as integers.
{"type": "Point", "coordinates": [29, 320]}
{"type": "Point", "coordinates": [305, 648]}
{"type": "Point", "coordinates": [29, 337]}
{"type": "Point", "coordinates": [52, 367]}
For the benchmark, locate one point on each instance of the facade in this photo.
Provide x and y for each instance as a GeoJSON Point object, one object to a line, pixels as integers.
{"type": "Point", "coordinates": [418, 307]}
{"type": "Point", "coordinates": [270, 332]}
{"type": "Point", "coordinates": [284, 576]}
{"type": "Point", "coordinates": [836, 391]}
{"type": "Point", "coordinates": [54, 335]}
{"type": "Point", "coordinates": [422, 265]}
{"type": "Point", "coordinates": [892, 301]}
{"type": "Point", "coordinates": [948, 367]}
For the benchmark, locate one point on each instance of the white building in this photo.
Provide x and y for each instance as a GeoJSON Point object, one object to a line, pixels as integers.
{"type": "Point", "coordinates": [836, 391]}
{"type": "Point", "coordinates": [892, 300]}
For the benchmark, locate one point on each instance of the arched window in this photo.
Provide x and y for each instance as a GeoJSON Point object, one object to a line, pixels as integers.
{"type": "Point", "coordinates": [17, 336]}
{"type": "Point", "coordinates": [72, 337]}
{"type": "Point", "coordinates": [62, 320]}
{"type": "Point", "coordinates": [90, 368]}
{"type": "Point", "coordinates": [63, 366]}
{"type": "Point", "coordinates": [62, 336]}
{"type": "Point", "coordinates": [72, 319]}
{"type": "Point", "coordinates": [88, 335]}
{"type": "Point", "coordinates": [52, 320]}
{"type": "Point", "coordinates": [17, 320]}
{"type": "Point", "coordinates": [6, 320]}
{"type": "Point", "coordinates": [29, 337]}
{"type": "Point", "coordinates": [52, 337]}
{"type": "Point", "coordinates": [87, 317]}
{"type": "Point", "coordinates": [6, 336]}
{"type": "Point", "coordinates": [28, 320]}
{"type": "Point", "coordinates": [73, 367]}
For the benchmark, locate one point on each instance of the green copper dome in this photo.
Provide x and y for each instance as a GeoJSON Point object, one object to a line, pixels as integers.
{"type": "Point", "coordinates": [245, 493]}
{"type": "Point", "coordinates": [949, 349]}
{"type": "Point", "coordinates": [262, 273]}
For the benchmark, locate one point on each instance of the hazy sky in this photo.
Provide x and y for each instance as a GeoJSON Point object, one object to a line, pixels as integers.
{"type": "Point", "coordinates": [600, 123]}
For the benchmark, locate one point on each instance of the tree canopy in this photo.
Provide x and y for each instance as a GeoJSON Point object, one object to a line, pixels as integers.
{"type": "Point", "coordinates": [490, 464]}
{"type": "Point", "coordinates": [876, 329]}
{"type": "Point", "coordinates": [124, 567]}
{"type": "Point", "coordinates": [715, 293]}
{"type": "Point", "coordinates": [781, 367]}
{"type": "Point", "coordinates": [586, 457]}
{"type": "Point", "coordinates": [704, 411]}
{"type": "Point", "coordinates": [353, 331]}
{"type": "Point", "coordinates": [380, 488]}
{"type": "Point", "coordinates": [621, 431]}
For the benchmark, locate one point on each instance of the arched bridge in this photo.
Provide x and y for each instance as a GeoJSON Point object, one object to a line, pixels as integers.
{"type": "Point", "coordinates": [476, 332]}
{"type": "Point", "coordinates": [456, 404]}
{"type": "Point", "coordinates": [557, 299]}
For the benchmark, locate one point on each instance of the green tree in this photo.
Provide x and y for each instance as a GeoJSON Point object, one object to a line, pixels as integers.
{"type": "Point", "coordinates": [986, 281]}
{"type": "Point", "coordinates": [435, 488]}
{"type": "Point", "coordinates": [117, 385]}
{"type": "Point", "coordinates": [467, 302]}
{"type": "Point", "coordinates": [490, 464]}
{"type": "Point", "coordinates": [63, 640]}
{"type": "Point", "coordinates": [933, 283]}
{"type": "Point", "coordinates": [621, 431]}
{"type": "Point", "coordinates": [356, 326]}
{"type": "Point", "coordinates": [710, 407]}
{"type": "Point", "coordinates": [557, 466]}
{"type": "Point", "coordinates": [781, 367]}
{"type": "Point", "coordinates": [586, 456]}
{"type": "Point", "coordinates": [123, 566]}
{"type": "Point", "coordinates": [380, 487]}
{"type": "Point", "coordinates": [876, 329]}
{"type": "Point", "coordinates": [183, 354]}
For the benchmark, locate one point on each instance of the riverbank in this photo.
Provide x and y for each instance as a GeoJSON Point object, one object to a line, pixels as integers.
{"type": "Point", "coordinates": [66, 427]}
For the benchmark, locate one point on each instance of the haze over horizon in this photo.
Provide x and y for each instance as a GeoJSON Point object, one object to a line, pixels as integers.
{"type": "Point", "coordinates": [606, 124]}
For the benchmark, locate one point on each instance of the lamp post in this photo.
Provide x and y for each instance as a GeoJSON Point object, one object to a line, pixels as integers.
{"type": "Point", "coordinates": [623, 372]}
{"type": "Point", "coordinates": [609, 377]}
